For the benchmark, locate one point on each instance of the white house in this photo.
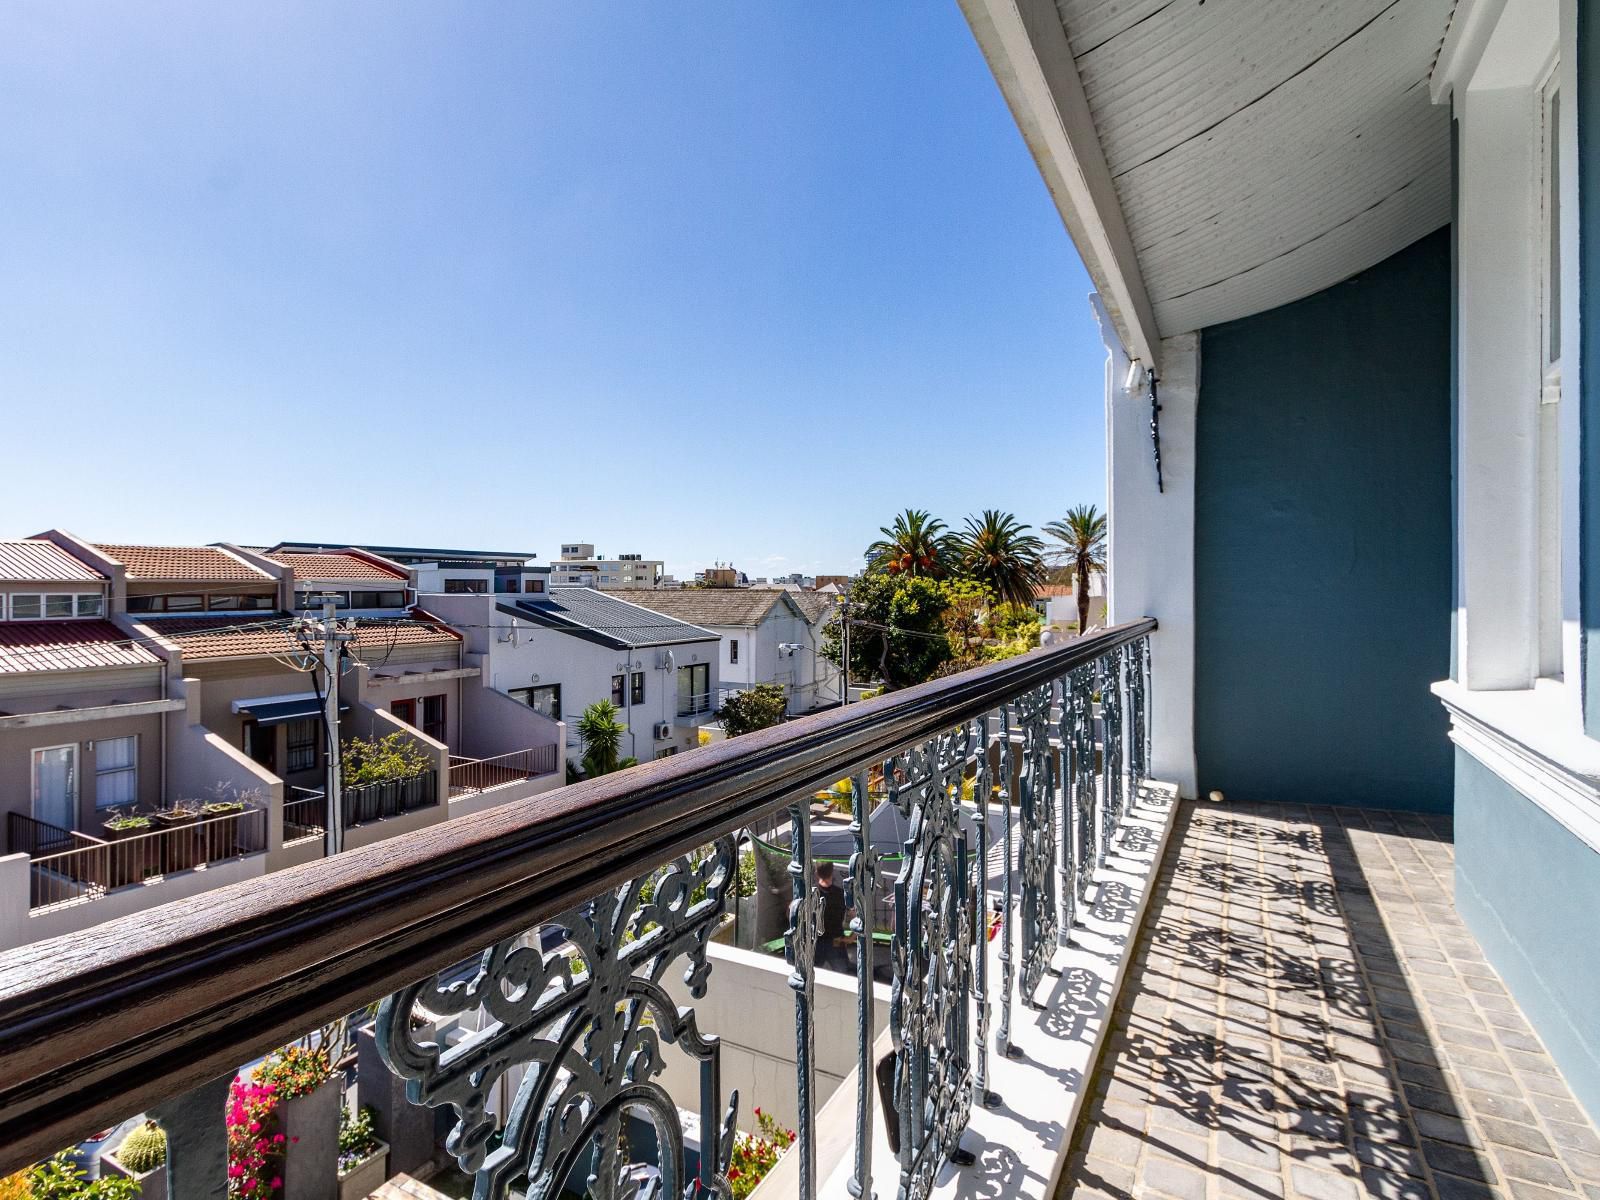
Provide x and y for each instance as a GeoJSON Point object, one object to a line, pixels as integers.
{"type": "Point", "coordinates": [562, 651]}
{"type": "Point", "coordinates": [1057, 603]}
{"type": "Point", "coordinates": [768, 635]}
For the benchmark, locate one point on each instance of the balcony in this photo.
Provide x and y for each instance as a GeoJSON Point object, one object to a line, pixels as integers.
{"type": "Point", "coordinates": [1279, 1001]}
{"type": "Point", "coordinates": [475, 776]}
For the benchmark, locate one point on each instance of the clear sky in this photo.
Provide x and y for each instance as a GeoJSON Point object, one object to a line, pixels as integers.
{"type": "Point", "coordinates": [700, 281]}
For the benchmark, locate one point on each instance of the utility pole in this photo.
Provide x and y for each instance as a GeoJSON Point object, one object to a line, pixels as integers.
{"type": "Point", "coordinates": [334, 638]}
{"type": "Point", "coordinates": [844, 687]}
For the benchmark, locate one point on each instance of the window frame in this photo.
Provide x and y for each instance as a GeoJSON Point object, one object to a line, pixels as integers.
{"type": "Point", "coordinates": [637, 685]}
{"type": "Point", "coordinates": [291, 746]}
{"type": "Point", "coordinates": [102, 772]}
{"type": "Point", "coordinates": [436, 726]}
{"type": "Point", "coordinates": [733, 651]}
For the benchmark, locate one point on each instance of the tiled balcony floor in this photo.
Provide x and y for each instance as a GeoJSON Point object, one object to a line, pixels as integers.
{"type": "Point", "coordinates": [1306, 1015]}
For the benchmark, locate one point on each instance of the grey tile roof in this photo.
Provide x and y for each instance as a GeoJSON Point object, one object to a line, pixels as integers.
{"type": "Point", "coordinates": [609, 620]}
{"type": "Point", "coordinates": [709, 606]}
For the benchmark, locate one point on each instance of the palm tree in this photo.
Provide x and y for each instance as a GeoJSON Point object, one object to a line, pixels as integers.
{"type": "Point", "coordinates": [1082, 534]}
{"type": "Point", "coordinates": [1001, 553]}
{"type": "Point", "coordinates": [918, 543]}
{"type": "Point", "coordinates": [602, 739]}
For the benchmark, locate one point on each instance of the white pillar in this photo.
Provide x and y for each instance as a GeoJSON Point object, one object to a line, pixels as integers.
{"type": "Point", "coordinates": [1151, 558]}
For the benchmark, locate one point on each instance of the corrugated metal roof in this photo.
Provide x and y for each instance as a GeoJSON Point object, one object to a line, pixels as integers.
{"type": "Point", "coordinates": [614, 622]}
{"type": "Point", "coordinates": [34, 560]}
{"type": "Point", "coordinates": [334, 566]}
{"type": "Point", "coordinates": [1262, 152]}
{"type": "Point", "coordinates": [202, 638]}
{"type": "Point", "coordinates": [202, 563]}
{"type": "Point", "coordinates": [67, 646]}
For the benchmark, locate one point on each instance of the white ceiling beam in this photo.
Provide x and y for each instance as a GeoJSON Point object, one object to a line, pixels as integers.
{"type": "Point", "coordinates": [1027, 50]}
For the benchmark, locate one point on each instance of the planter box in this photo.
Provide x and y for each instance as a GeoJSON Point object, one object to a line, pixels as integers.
{"type": "Point", "coordinates": [152, 1184]}
{"type": "Point", "coordinates": [130, 863]}
{"type": "Point", "coordinates": [367, 1176]}
{"type": "Point", "coordinates": [311, 1164]}
{"type": "Point", "coordinates": [407, 1128]}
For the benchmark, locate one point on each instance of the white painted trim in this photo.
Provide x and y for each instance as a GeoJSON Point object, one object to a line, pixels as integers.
{"type": "Point", "coordinates": [1525, 739]}
{"type": "Point", "coordinates": [1464, 43]}
{"type": "Point", "coordinates": [99, 712]}
{"type": "Point", "coordinates": [239, 706]}
{"type": "Point", "coordinates": [1027, 50]}
{"type": "Point", "coordinates": [425, 676]}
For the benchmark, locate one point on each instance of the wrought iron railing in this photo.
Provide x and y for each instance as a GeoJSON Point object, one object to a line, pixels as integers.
{"type": "Point", "coordinates": [624, 877]}
{"type": "Point", "coordinates": [469, 776]}
{"type": "Point", "coordinates": [391, 798]}
{"type": "Point", "coordinates": [30, 836]}
{"type": "Point", "coordinates": [92, 867]}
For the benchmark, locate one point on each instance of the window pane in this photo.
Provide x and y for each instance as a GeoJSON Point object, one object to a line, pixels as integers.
{"type": "Point", "coordinates": [58, 606]}
{"type": "Point", "coordinates": [89, 604]}
{"type": "Point", "coordinates": [184, 603]}
{"type": "Point", "coordinates": [143, 604]}
{"type": "Point", "coordinates": [303, 738]}
{"type": "Point", "coordinates": [113, 753]}
{"type": "Point", "coordinates": [116, 780]}
{"type": "Point", "coordinates": [617, 682]}
{"type": "Point", "coordinates": [638, 687]}
{"type": "Point", "coordinates": [25, 608]}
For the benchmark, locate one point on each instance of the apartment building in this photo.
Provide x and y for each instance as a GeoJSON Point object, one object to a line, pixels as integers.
{"type": "Point", "coordinates": [431, 569]}
{"type": "Point", "coordinates": [579, 566]}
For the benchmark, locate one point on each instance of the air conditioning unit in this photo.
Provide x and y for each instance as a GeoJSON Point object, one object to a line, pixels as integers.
{"type": "Point", "coordinates": [663, 730]}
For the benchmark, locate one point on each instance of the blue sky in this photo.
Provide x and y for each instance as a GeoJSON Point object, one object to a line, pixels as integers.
{"type": "Point", "coordinates": [706, 281]}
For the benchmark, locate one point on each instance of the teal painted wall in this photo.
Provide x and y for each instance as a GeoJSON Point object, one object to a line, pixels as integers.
{"type": "Point", "coordinates": [1323, 568]}
{"type": "Point", "coordinates": [1526, 888]}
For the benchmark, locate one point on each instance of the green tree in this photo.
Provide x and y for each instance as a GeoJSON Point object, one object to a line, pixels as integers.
{"type": "Point", "coordinates": [1082, 534]}
{"type": "Point", "coordinates": [897, 631]}
{"type": "Point", "coordinates": [754, 708]}
{"type": "Point", "coordinates": [916, 544]}
{"type": "Point", "coordinates": [601, 734]}
{"type": "Point", "coordinates": [1001, 553]}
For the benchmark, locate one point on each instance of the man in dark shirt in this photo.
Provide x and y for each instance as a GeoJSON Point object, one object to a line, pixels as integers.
{"type": "Point", "coordinates": [830, 951]}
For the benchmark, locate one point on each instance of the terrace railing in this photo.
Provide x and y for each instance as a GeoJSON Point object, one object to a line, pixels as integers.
{"type": "Point", "coordinates": [144, 1015]}
{"type": "Point", "coordinates": [93, 866]}
{"type": "Point", "coordinates": [471, 775]}
{"type": "Point", "coordinates": [305, 813]}
{"type": "Point", "coordinates": [27, 835]}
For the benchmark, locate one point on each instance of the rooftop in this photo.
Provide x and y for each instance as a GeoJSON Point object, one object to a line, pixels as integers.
{"type": "Point", "coordinates": [181, 563]}
{"type": "Point", "coordinates": [332, 565]}
{"type": "Point", "coordinates": [204, 638]}
{"type": "Point", "coordinates": [34, 560]}
{"type": "Point", "coordinates": [409, 554]}
{"type": "Point", "coordinates": [711, 606]}
{"type": "Point", "coordinates": [67, 646]}
{"type": "Point", "coordinates": [608, 620]}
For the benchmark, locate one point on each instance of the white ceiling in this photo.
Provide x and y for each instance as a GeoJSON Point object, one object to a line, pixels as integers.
{"type": "Point", "coordinates": [1262, 150]}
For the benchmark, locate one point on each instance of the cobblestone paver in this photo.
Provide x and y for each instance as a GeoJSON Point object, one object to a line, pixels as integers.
{"type": "Point", "coordinates": [1306, 1016]}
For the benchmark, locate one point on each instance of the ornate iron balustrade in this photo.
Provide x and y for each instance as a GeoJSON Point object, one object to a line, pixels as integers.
{"type": "Point", "coordinates": [631, 872]}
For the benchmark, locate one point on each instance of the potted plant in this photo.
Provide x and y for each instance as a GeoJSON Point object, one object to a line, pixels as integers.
{"type": "Point", "coordinates": [363, 1156]}
{"type": "Point", "coordinates": [142, 1157]}
{"type": "Point", "coordinates": [306, 1095]}
{"type": "Point", "coordinates": [180, 848]}
{"type": "Point", "coordinates": [221, 837]}
{"type": "Point", "coordinates": [120, 825]}
{"type": "Point", "coordinates": [131, 863]}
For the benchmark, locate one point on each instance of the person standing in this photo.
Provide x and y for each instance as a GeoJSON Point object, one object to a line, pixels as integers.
{"type": "Point", "coordinates": [830, 951]}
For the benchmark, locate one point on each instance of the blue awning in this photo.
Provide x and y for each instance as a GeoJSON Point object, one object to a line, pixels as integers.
{"type": "Point", "coordinates": [276, 712]}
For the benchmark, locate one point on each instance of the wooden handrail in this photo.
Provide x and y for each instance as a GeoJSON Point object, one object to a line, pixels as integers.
{"type": "Point", "coordinates": [101, 1024]}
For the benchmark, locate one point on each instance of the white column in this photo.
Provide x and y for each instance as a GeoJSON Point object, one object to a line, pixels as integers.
{"type": "Point", "coordinates": [1151, 561]}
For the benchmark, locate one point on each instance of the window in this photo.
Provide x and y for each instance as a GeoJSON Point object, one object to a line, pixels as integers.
{"type": "Point", "coordinates": [433, 718]}
{"type": "Point", "coordinates": [377, 599]}
{"type": "Point", "coordinates": [155, 604]}
{"type": "Point", "coordinates": [55, 785]}
{"type": "Point", "coordinates": [694, 689]}
{"type": "Point", "coordinates": [303, 738]}
{"type": "Point", "coordinates": [312, 599]}
{"type": "Point", "coordinates": [618, 689]}
{"type": "Point", "coordinates": [116, 772]}
{"type": "Point", "coordinates": [733, 650]}
{"type": "Point", "coordinates": [638, 687]}
{"type": "Point", "coordinates": [546, 701]}
{"type": "Point", "coordinates": [535, 586]}
{"type": "Point", "coordinates": [667, 752]}
{"type": "Point", "coordinates": [405, 710]}
{"type": "Point", "coordinates": [90, 604]}
{"type": "Point", "coordinates": [474, 587]}
{"type": "Point", "coordinates": [26, 608]}
{"type": "Point", "coordinates": [57, 606]}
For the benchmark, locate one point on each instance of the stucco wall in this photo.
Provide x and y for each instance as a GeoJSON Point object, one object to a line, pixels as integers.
{"type": "Point", "coordinates": [1322, 543]}
{"type": "Point", "coordinates": [1525, 887]}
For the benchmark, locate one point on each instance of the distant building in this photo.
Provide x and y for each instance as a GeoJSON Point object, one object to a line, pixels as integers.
{"type": "Point", "coordinates": [579, 566]}
{"type": "Point", "coordinates": [1057, 603]}
{"type": "Point", "coordinates": [840, 582]}
{"type": "Point", "coordinates": [471, 572]}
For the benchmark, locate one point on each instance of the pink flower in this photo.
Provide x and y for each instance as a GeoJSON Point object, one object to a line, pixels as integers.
{"type": "Point", "coordinates": [255, 1126]}
{"type": "Point", "coordinates": [277, 1182]}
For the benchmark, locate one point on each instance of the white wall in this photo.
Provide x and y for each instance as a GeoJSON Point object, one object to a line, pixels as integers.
{"type": "Point", "coordinates": [520, 654]}
{"type": "Point", "coordinates": [807, 679]}
{"type": "Point", "coordinates": [1151, 559]}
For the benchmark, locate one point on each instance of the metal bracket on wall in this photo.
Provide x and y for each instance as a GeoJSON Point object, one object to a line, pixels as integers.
{"type": "Point", "coordinates": [1155, 428]}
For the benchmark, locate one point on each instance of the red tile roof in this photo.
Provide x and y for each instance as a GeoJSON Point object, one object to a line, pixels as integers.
{"type": "Point", "coordinates": [34, 560]}
{"type": "Point", "coordinates": [231, 637]}
{"type": "Point", "coordinates": [181, 562]}
{"type": "Point", "coordinates": [66, 646]}
{"type": "Point", "coordinates": [336, 566]}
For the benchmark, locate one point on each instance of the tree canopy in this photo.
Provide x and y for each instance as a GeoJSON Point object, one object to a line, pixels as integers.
{"type": "Point", "coordinates": [754, 708]}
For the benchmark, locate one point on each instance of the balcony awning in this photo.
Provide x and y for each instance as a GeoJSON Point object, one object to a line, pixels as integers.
{"type": "Point", "coordinates": [278, 709]}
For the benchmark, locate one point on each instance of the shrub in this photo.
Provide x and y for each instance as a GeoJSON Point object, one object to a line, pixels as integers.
{"type": "Point", "coordinates": [357, 1138]}
{"type": "Point", "coordinates": [144, 1149]}
{"type": "Point", "coordinates": [296, 1071]}
{"type": "Point", "coordinates": [255, 1146]}
{"type": "Point", "coordinates": [760, 707]}
{"type": "Point", "coordinates": [380, 760]}
{"type": "Point", "coordinates": [61, 1178]}
{"type": "Point", "coordinates": [754, 1154]}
